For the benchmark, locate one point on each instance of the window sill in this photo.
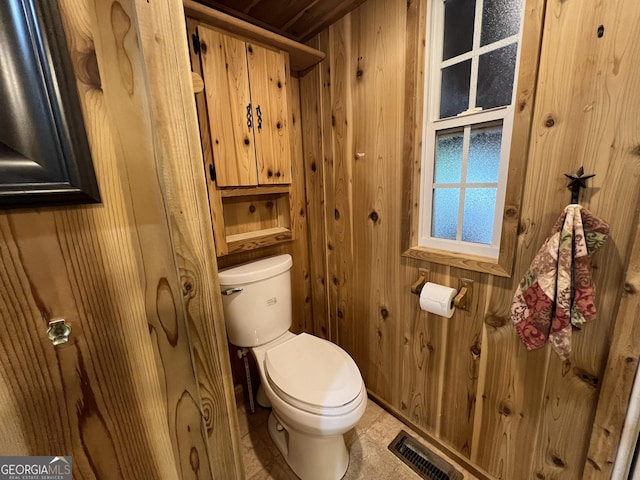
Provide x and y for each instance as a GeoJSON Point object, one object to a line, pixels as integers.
{"type": "Point", "coordinates": [460, 260]}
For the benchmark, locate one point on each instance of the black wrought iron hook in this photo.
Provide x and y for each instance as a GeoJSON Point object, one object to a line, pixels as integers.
{"type": "Point", "coordinates": [578, 181]}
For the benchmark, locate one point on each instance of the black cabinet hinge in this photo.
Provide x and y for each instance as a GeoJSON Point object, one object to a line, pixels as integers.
{"type": "Point", "coordinates": [195, 39]}
{"type": "Point", "coordinates": [212, 172]}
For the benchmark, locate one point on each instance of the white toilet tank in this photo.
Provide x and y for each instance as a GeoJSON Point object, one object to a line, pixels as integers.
{"type": "Point", "coordinates": [256, 297]}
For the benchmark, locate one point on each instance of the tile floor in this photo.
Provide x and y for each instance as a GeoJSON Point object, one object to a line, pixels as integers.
{"type": "Point", "coordinates": [367, 443]}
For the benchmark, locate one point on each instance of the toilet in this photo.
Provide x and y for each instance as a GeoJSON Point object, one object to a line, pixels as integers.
{"type": "Point", "coordinates": [314, 387]}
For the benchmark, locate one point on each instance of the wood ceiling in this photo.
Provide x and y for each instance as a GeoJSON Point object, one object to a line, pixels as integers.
{"type": "Point", "coordinates": [296, 19]}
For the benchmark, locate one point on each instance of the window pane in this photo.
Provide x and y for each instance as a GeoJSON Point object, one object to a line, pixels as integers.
{"type": "Point", "coordinates": [454, 94]}
{"type": "Point", "coordinates": [496, 70]}
{"type": "Point", "coordinates": [484, 154]}
{"type": "Point", "coordinates": [479, 210]}
{"type": "Point", "coordinates": [458, 27]}
{"type": "Point", "coordinates": [448, 158]}
{"type": "Point", "coordinates": [500, 19]}
{"type": "Point", "coordinates": [445, 212]}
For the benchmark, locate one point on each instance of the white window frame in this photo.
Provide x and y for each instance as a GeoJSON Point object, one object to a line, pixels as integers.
{"type": "Point", "coordinates": [466, 120]}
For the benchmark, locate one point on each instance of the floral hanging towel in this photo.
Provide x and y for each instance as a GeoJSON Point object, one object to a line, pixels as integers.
{"type": "Point", "coordinates": [557, 292]}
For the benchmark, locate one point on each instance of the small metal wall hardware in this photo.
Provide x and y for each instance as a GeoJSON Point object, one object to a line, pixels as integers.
{"type": "Point", "coordinates": [578, 181]}
{"type": "Point", "coordinates": [58, 331]}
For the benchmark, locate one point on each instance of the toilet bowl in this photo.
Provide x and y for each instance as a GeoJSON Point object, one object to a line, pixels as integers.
{"type": "Point", "coordinates": [314, 387]}
{"type": "Point", "coordinates": [307, 426]}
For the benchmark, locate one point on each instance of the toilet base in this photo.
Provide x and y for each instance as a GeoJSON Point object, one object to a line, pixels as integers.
{"type": "Point", "coordinates": [310, 457]}
{"type": "Point", "coordinates": [261, 397]}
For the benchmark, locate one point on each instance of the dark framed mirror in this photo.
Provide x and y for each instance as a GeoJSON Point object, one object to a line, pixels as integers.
{"type": "Point", "coordinates": [44, 154]}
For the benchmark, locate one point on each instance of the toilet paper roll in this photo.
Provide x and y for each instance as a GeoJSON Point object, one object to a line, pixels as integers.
{"type": "Point", "coordinates": [437, 299]}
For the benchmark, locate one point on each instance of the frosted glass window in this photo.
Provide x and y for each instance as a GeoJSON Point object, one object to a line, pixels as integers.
{"type": "Point", "coordinates": [458, 27]}
{"type": "Point", "coordinates": [479, 210]}
{"type": "Point", "coordinates": [484, 154]}
{"type": "Point", "coordinates": [500, 19]}
{"type": "Point", "coordinates": [496, 72]}
{"type": "Point", "coordinates": [470, 78]}
{"type": "Point", "coordinates": [445, 212]}
{"type": "Point", "coordinates": [454, 96]}
{"type": "Point", "coordinates": [448, 168]}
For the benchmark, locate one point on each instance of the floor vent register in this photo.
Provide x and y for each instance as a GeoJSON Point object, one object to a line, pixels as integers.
{"type": "Point", "coordinates": [424, 462]}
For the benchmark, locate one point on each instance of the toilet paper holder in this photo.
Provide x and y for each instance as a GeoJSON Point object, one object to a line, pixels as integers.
{"type": "Point", "coordinates": [465, 289]}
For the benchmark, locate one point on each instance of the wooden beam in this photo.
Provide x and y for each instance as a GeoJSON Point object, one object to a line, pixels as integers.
{"type": "Point", "coordinates": [176, 144]}
{"type": "Point", "coordinates": [301, 56]}
{"type": "Point", "coordinates": [318, 16]}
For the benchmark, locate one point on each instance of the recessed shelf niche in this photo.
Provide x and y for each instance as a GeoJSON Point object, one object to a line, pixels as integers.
{"type": "Point", "coordinates": [255, 220]}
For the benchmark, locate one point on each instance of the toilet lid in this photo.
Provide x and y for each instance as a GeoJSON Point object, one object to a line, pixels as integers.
{"type": "Point", "coordinates": [313, 371]}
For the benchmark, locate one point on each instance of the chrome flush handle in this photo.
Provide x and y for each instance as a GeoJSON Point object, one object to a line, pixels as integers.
{"type": "Point", "coordinates": [231, 291]}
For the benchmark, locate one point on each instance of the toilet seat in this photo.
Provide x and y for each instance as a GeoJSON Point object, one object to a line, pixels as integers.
{"type": "Point", "coordinates": [313, 375]}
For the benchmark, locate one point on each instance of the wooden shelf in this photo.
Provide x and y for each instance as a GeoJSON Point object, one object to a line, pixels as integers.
{"type": "Point", "coordinates": [244, 191]}
{"type": "Point", "coordinates": [243, 242]}
{"type": "Point", "coordinates": [301, 56]}
{"type": "Point", "coordinates": [252, 217]}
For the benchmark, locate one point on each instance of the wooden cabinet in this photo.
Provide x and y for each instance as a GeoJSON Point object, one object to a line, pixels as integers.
{"type": "Point", "coordinates": [246, 97]}
{"type": "Point", "coordinates": [247, 128]}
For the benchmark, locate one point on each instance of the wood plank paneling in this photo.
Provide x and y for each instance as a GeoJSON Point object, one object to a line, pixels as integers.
{"type": "Point", "coordinates": [313, 166]}
{"type": "Point", "coordinates": [327, 155]}
{"type": "Point", "coordinates": [358, 222]}
{"type": "Point", "coordinates": [618, 377]}
{"type": "Point", "coordinates": [298, 19]}
{"type": "Point", "coordinates": [468, 381]}
{"type": "Point", "coordinates": [339, 181]}
{"type": "Point", "coordinates": [304, 314]}
{"type": "Point", "coordinates": [301, 56]}
{"type": "Point", "coordinates": [597, 74]}
{"type": "Point", "coordinates": [423, 356]}
{"type": "Point", "coordinates": [215, 196]}
{"type": "Point", "coordinates": [180, 160]}
{"type": "Point", "coordinates": [129, 114]}
{"type": "Point", "coordinates": [377, 35]}
{"type": "Point", "coordinates": [122, 396]}
{"type": "Point", "coordinates": [462, 365]}
{"type": "Point", "coordinates": [226, 78]}
{"type": "Point", "coordinates": [509, 401]}
{"type": "Point", "coordinates": [318, 16]}
{"type": "Point", "coordinates": [267, 71]}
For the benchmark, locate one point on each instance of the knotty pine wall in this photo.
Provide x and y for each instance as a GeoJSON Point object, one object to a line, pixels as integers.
{"type": "Point", "coordinates": [143, 387]}
{"type": "Point", "coordinates": [467, 381]}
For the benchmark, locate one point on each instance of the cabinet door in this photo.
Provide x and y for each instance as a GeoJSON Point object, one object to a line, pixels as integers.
{"type": "Point", "coordinates": [267, 74]}
{"type": "Point", "coordinates": [224, 70]}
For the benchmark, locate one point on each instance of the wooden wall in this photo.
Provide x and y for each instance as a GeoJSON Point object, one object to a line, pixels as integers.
{"type": "Point", "coordinates": [133, 276]}
{"type": "Point", "coordinates": [467, 381]}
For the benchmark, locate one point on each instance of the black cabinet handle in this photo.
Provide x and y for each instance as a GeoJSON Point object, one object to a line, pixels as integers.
{"type": "Point", "coordinates": [249, 116]}
{"type": "Point", "coordinates": [259, 113]}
